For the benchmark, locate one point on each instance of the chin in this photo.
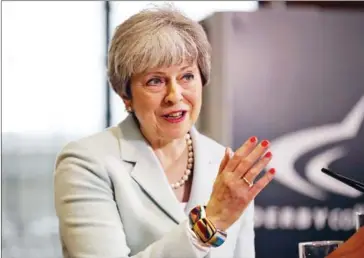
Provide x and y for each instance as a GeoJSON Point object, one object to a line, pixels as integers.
{"type": "Point", "coordinates": [176, 132]}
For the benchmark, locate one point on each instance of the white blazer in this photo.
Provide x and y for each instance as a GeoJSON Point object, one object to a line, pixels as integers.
{"type": "Point", "coordinates": [113, 199]}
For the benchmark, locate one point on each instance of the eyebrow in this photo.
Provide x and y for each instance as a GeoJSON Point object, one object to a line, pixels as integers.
{"type": "Point", "coordinates": [161, 73]}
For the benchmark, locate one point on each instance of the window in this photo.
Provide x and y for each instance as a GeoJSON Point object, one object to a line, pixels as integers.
{"type": "Point", "coordinates": [53, 67]}
{"type": "Point", "coordinates": [54, 80]}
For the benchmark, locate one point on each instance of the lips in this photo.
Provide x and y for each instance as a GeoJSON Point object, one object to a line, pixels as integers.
{"type": "Point", "coordinates": [176, 116]}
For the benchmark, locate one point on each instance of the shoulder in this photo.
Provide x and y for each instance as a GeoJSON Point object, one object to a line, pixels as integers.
{"type": "Point", "coordinates": [84, 157]}
{"type": "Point", "coordinates": [99, 144]}
{"type": "Point", "coordinates": [82, 160]}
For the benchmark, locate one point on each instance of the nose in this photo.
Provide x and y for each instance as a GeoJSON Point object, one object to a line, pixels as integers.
{"type": "Point", "coordinates": [174, 93]}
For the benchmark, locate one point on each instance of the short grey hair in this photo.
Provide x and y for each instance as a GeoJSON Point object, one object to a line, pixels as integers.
{"type": "Point", "coordinates": [156, 37]}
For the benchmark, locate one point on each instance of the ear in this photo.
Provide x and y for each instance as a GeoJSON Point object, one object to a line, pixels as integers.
{"type": "Point", "coordinates": [127, 103]}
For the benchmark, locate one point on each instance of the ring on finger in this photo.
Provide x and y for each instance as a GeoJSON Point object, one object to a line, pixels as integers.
{"type": "Point", "coordinates": [250, 184]}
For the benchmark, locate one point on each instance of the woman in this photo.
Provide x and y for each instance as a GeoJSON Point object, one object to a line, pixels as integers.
{"type": "Point", "coordinates": [139, 189]}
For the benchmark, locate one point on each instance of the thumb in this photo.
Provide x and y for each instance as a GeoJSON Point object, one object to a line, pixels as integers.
{"type": "Point", "coordinates": [225, 160]}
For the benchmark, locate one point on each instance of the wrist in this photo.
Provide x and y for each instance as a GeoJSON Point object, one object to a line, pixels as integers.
{"type": "Point", "coordinates": [216, 220]}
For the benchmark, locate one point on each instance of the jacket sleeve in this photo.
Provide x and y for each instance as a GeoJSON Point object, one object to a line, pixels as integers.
{"type": "Point", "coordinates": [245, 246]}
{"type": "Point", "coordinates": [89, 221]}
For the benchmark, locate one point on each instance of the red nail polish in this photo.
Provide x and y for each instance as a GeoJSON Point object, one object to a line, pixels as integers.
{"type": "Point", "coordinates": [272, 171]}
{"type": "Point", "coordinates": [265, 143]}
{"type": "Point", "coordinates": [253, 139]}
{"type": "Point", "coordinates": [268, 155]}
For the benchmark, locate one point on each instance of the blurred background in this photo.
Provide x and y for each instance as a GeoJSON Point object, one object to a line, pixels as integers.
{"type": "Point", "coordinates": [288, 71]}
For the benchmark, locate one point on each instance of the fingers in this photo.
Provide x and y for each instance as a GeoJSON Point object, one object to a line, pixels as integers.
{"type": "Point", "coordinates": [240, 153]}
{"type": "Point", "coordinates": [262, 183]}
{"type": "Point", "coordinates": [228, 154]}
{"type": "Point", "coordinates": [246, 163]}
{"type": "Point", "coordinates": [258, 167]}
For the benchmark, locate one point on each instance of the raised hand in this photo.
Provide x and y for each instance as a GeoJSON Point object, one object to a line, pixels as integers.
{"type": "Point", "coordinates": [234, 189]}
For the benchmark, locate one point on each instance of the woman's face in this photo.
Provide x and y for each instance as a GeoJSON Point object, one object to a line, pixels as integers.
{"type": "Point", "coordinates": [167, 100]}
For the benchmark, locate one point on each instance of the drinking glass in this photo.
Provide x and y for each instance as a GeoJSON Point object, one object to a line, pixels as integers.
{"type": "Point", "coordinates": [317, 249]}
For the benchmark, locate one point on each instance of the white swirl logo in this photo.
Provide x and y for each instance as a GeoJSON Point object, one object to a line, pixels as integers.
{"type": "Point", "coordinates": [289, 147]}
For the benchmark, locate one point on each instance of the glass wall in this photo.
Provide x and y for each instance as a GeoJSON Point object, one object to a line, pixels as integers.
{"type": "Point", "coordinates": [53, 91]}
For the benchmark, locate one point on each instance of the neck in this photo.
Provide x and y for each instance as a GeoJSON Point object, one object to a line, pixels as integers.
{"type": "Point", "coordinates": [168, 151]}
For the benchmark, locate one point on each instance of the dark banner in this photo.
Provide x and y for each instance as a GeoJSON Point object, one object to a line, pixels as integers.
{"type": "Point", "coordinates": [299, 81]}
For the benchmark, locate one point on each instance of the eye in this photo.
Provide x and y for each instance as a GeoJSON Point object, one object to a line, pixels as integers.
{"type": "Point", "coordinates": [188, 77]}
{"type": "Point", "coordinates": [154, 81]}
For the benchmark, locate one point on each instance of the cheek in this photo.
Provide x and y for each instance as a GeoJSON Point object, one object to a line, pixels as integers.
{"type": "Point", "coordinates": [144, 109]}
{"type": "Point", "coordinates": [146, 102]}
{"type": "Point", "coordinates": [194, 96]}
{"type": "Point", "coordinates": [195, 100]}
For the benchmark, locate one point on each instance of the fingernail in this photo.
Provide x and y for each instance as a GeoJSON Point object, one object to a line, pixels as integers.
{"type": "Point", "coordinates": [268, 155]}
{"type": "Point", "coordinates": [272, 171]}
{"type": "Point", "coordinates": [253, 139]}
{"type": "Point", "coordinates": [265, 143]}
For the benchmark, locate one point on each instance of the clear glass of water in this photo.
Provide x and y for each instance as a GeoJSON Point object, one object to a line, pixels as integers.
{"type": "Point", "coordinates": [359, 219]}
{"type": "Point", "coordinates": [317, 249]}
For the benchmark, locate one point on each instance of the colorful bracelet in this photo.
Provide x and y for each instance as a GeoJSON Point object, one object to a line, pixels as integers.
{"type": "Point", "coordinates": [204, 228]}
{"type": "Point", "coordinates": [196, 214]}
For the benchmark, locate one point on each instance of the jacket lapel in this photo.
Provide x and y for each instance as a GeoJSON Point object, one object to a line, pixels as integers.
{"type": "Point", "coordinates": [147, 171]}
{"type": "Point", "coordinates": [204, 172]}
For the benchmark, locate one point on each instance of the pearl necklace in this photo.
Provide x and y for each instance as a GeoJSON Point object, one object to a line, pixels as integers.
{"type": "Point", "coordinates": [188, 170]}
